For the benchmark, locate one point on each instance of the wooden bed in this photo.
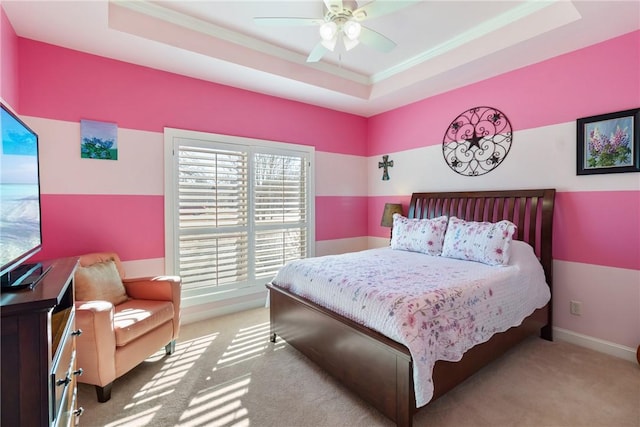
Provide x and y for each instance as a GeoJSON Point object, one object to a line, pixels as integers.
{"type": "Point", "coordinates": [378, 369]}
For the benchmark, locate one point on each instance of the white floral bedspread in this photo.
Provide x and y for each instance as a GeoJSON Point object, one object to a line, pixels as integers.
{"type": "Point", "coordinates": [437, 307]}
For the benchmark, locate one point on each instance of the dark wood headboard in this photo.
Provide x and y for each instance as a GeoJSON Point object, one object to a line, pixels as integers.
{"type": "Point", "coordinates": [530, 210]}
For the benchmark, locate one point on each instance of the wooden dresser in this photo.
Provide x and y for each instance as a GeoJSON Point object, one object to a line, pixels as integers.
{"type": "Point", "coordinates": [38, 356]}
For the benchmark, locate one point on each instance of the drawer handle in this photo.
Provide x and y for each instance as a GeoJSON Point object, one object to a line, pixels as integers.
{"type": "Point", "coordinates": [78, 412]}
{"type": "Point", "coordinates": [64, 382]}
{"type": "Point", "coordinates": [77, 332]}
{"type": "Point", "coordinates": [78, 372]}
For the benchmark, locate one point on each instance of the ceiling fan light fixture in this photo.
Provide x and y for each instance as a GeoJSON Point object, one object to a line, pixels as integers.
{"type": "Point", "coordinates": [352, 30]}
{"type": "Point", "coordinates": [330, 44]}
{"type": "Point", "coordinates": [350, 44]}
{"type": "Point", "coordinates": [328, 31]}
{"type": "Point", "coordinates": [341, 21]}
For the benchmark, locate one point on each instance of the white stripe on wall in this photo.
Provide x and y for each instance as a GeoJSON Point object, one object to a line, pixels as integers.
{"type": "Point", "coordinates": [138, 171]}
{"type": "Point", "coordinates": [340, 246]}
{"type": "Point", "coordinates": [144, 267]}
{"type": "Point", "coordinates": [340, 174]}
{"type": "Point", "coordinates": [543, 157]}
{"type": "Point", "coordinates": [140, 154]}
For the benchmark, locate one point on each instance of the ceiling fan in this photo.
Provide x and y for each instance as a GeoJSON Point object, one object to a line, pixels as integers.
{"type": "Point", "coordinates": [342, 21]}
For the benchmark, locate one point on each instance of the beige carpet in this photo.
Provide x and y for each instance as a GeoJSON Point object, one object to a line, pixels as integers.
{"type": "Point", "coordinates": [225, 372]}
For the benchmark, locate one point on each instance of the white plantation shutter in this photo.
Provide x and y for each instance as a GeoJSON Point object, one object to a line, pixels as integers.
{"type": "Point", "coordinates": [241, 211]}
{"type": "Point", "coordinates": [212, 211]}
{"type": "Point", "coordinates": [280, 213]}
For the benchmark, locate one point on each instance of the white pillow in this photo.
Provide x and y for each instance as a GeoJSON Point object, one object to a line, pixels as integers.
{"type": "Point", "coordinates": [418, 235]}
{"type": "Point", "coordinates": [486, 242]}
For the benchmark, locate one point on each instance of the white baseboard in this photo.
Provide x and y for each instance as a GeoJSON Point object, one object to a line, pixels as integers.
{"type": "Point", "coordinates": [596, 344]}
{"type": "Point", "coordinates": [195, 313]}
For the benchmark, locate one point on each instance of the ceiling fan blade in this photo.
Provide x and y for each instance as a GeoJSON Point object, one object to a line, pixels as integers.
{"type": "Point", "coordinates": [379, 8]}
{"type": "Point", "coordinates": [317, 53]}
{"type": "Point", "coordinates": [334, 6]}
{"type": "Point", "coordinates": [376, 40]}
{"type": "Point", "coordinates": [288, 21]}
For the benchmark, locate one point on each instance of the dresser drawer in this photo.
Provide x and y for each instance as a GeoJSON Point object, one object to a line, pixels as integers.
{"type": "Point", "coordinates": [66, 414]}
{"type": "Point", "coordinates": [63, 371]}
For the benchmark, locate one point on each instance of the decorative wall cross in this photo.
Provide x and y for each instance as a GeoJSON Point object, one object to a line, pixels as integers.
{"type": "Point", "coordinates": [386, 164]}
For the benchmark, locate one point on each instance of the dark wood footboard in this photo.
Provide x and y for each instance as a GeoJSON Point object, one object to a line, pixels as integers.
{"type": "Point", "coordinates": [377, 369]}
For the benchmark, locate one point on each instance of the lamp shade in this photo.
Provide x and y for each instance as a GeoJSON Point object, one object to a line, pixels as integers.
{"type": "Point", "coordinates": [352, 29]}
{"type": "Point", "coordinates": [387, 215]}
{"type": "Point", "coordinates": [328, 30]}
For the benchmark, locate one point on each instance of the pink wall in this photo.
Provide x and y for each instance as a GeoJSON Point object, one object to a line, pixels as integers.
{"type": "Point", "coordinates": [69, 85]}
{"type": "Point", "coordinates": [578, 84]}
{"type": "Point", "coordinates": [8, 62]}
{"type": "Point", "coordinates": [341, 217]}
{"type": "Point", "coordinates": [558, 90]}
{"type": "Point", "coordinates": [66, 85]}
{"type": "Point", "coordinates": [598, 227]}
{"type": "Point", "coordinates": [77, 224]}
{"type": "Point", "coordinates": [596, 245]}
{"type": "Point", "coordinates": [76, 85]}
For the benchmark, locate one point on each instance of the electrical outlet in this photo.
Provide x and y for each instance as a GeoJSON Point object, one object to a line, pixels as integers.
{"type": "Point", "coordinates": [575, 308]}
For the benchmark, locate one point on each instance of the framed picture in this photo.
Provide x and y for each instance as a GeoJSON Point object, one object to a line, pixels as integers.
{"type": "Point", "coordinates": [98, 140]}
{"type": "Point", "coordinates": [609, 143]}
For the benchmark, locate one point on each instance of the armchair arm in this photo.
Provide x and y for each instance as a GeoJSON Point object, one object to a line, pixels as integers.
{"type": "Point", "coordinates": [159, 288]}
{"type": "Point", "coordinates": [97, 344]}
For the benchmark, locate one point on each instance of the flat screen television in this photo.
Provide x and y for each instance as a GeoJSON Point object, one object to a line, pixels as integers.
{"type": "Point", "coordinates": [20, 220]}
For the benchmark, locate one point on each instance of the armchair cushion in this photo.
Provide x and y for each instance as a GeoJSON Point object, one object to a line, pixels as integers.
{"type": "Point", "coordinates": [100, 281]}
{"type": "Point", "coordinates": [135, 318]}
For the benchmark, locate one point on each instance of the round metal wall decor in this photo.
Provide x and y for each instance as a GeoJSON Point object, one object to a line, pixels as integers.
{"type": "Point", "coordinates": [477, 141]}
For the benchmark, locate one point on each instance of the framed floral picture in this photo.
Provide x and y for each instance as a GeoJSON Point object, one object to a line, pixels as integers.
{"type": "Point", "coordinates": [609, 143]}
{"type": "Point", "coordinates": [98, 140]}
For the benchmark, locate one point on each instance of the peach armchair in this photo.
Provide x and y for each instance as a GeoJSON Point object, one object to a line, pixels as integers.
{"type": "Point", "coordinates": [123, 320]}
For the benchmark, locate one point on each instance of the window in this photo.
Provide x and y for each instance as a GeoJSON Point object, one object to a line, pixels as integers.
{"type": "Point", "coordinates": [237, 210]}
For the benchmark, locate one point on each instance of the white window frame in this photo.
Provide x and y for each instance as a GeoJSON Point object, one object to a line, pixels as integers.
{"type": "Point", "coordinates": [204, 295]}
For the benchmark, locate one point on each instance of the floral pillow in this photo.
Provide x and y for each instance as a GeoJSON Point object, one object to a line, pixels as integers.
{"type": "Point", "coordinates": [418, 235]}
{"type": "Point", "coordinates": [486, 242]}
